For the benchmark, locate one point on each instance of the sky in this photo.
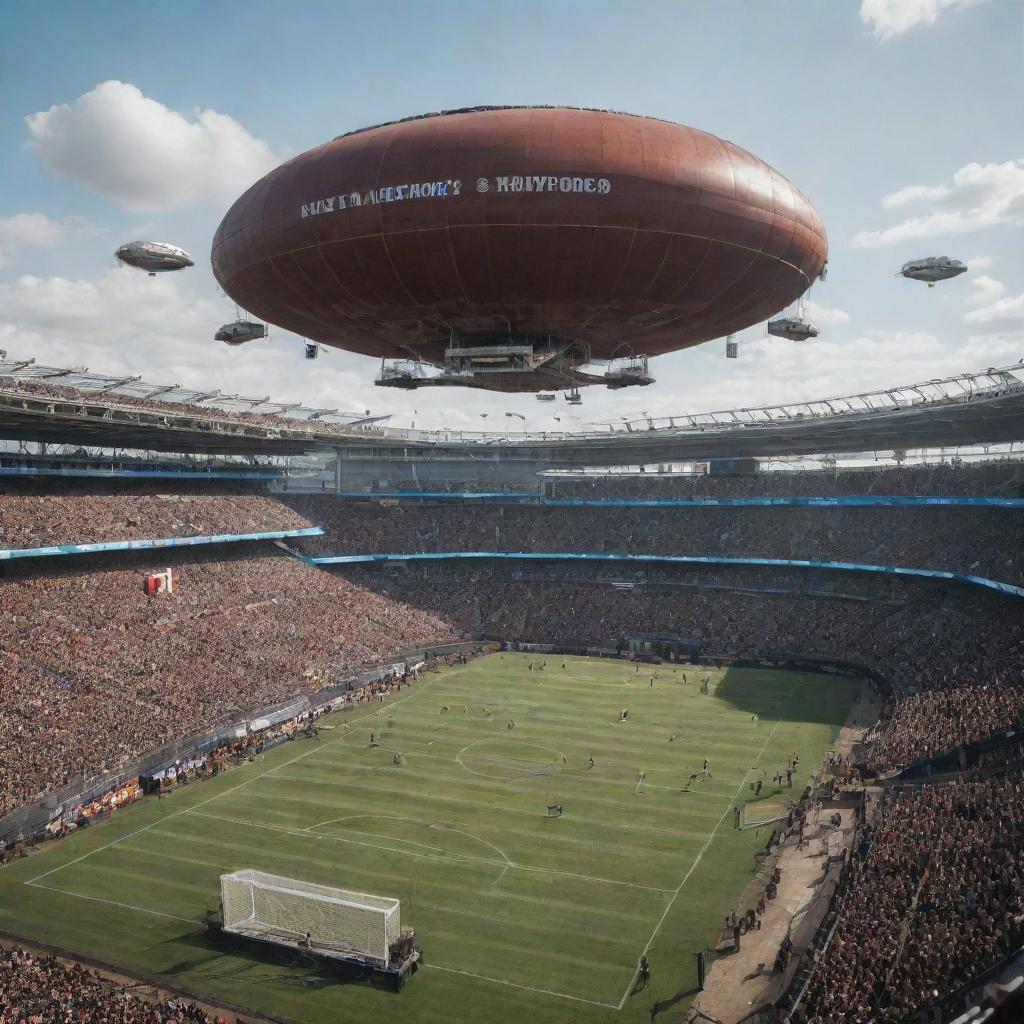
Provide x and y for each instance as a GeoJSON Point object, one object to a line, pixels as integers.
{"type": "Point", "coordinates": [901, 120]}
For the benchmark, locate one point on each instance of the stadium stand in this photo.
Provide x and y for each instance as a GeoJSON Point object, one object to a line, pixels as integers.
{"type": "Point", "coordinates": [935, 900]}
{"type": "Point", "coordinates": [980, 541]}
{"type": "Point", "coordinates": [94, 671]}
{"type": "Point", "coordinates": [45, 988]}
{"type": "Point", "coordinates": [35, 512]}
{"type": "Point", "coordinates": [995, 477]}
{"type": "Point", "coordinates": [934, 721]}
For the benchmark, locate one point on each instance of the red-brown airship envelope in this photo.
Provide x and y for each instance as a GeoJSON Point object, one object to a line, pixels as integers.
{"type": "Point", "coordinates": [625, 234]}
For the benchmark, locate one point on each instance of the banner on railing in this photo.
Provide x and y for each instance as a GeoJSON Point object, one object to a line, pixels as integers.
{"type": "Point", "coordinates": [158, 544]}
{"type": "Point", "coordinates": [841, 501]}
{"type": "Point", "coordinates": [782, 563]}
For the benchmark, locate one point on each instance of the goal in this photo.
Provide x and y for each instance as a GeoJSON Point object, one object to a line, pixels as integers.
{"type": "Point", "coordinates": [282, 910]}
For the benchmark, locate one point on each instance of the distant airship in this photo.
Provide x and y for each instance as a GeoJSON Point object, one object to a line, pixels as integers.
{"type": "Point", "coordinates": [932, 269]}
{"type": "Point", "coordinates": [796, 328]}
{"type": "Point", "coordinates": [241, 331]}
{"type": "Point", "coordinates": [154, 257]}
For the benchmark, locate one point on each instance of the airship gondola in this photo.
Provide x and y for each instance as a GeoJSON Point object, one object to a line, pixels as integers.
{"type": "Point", "coordinates": [795, 328]}
{"type": "Point", "coordinates": [154, 257]}
{"type": "Point", "coordinates": [241, 331]}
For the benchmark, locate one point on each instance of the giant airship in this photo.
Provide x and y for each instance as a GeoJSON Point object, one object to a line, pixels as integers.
{"type": "Point", "coordinates": [514, 248]}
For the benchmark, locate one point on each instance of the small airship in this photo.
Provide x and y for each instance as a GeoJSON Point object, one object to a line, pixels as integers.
{"type": "Point", "coordinates": [241, 331]}
{"type": "Point", "coordinates": [932, 269]}
{"type": "Point", "coordinates": [154, 257]}
{"type": "Point", "coordinates": [796, 328]}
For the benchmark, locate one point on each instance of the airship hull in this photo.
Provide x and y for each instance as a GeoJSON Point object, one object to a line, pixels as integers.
{"type": "Point", "coordinates": [623, 234]}
{"type": "Point", "coordinates": [154, 257]}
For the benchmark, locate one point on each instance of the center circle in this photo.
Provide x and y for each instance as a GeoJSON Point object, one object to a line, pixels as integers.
{"type": "Point", "coordinates": [508, 758]}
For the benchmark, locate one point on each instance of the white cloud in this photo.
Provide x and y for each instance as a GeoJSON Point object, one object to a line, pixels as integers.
{"type": "Point", "coordinates": [979, 196]}
{"type": "Point", "coordinates": [890, 18]}
{"type": "Point", "coordinates": [28, 229]}
{"type": "Point", "coordinates": [1005, 313]}
{"type": "Point", "coordinates": [979, 264]}
{"type": "Point", "coordinates": [915, 194]}
{"type": "Point", "coordinates": [825, 316]}
{"type": "Point", "coordinates": [143, 155]}
{"type": "Point", "coordinates": [985, 290]}
{"type": "Point", "coordinates": [128, 323]}
{"type": "Point", "coordinates": [999, 348]}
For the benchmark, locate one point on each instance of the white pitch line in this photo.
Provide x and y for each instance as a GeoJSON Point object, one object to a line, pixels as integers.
{"type": "Point", "coordinates": [526, 988]}
{"type": "Point", "coordinates": [216, 796]}
{"type": "Point", "coordinates": [416, 821]}
{"type": "Point", "coordinates": [693, 866]}
{"type": "Point", "coordinates": [447, 858]}
{"type": "Point", "coordinates": [114, 903]}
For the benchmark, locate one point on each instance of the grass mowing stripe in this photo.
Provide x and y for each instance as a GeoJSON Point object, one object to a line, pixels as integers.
{"type": "Point", "coordinates": [633, 825]}
{"type": "Point", "coordinates": [513, 984]}
{"type": "Point", "coordinates": [304, 834]}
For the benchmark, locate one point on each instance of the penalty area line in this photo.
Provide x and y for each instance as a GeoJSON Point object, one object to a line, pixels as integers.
{"type": "Point", "coordinates": [525, 988]}
{"type": "Point", "coordinates": [114, 903]}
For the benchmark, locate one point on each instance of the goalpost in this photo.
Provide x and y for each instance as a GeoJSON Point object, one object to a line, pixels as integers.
{"type": "Point", "coordinates": [282, 910]}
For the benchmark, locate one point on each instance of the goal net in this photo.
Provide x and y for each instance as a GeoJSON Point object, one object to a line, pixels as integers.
{"type": "Point", "coordinates": [284, 909]}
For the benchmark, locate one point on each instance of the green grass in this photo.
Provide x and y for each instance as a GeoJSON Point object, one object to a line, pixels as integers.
{"type": "Point", "coordinates": [522, 917]}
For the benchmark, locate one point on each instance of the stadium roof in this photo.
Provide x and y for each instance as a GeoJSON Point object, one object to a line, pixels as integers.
{"type": "Point", "coordinates": [967, 409]}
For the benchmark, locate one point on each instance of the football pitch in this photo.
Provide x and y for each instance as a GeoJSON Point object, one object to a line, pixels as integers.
{"type": "Point", "coordinates": [523, 916]}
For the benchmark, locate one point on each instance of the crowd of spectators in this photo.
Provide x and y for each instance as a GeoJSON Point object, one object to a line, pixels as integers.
{"type": "Point", "coordinates": [41, 511]}
{"type": "Point", "coordinates": [1002, 754]}
{"type": "Point", "coordinates": [934, 721]}
{"type": "Point", "coordinates": [46, 990]}
{"type": "Point", "coordinates": [978, 541]}
{"type": "Point", "coordinates": [936, 898]}
{"type": "Point", "coordinates": [1002, 478]}
{"type": "Point", "coordinates": [93, 672]}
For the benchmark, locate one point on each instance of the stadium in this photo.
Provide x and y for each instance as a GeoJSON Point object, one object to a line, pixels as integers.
{"type": "Point", "coordinates": [581, 582]}
{"type": "Point", "coordinates": [732, 739]}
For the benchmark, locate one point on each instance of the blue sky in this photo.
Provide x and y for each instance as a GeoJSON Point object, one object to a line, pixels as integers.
{"type": "Point", "coordinates": [853, 102]}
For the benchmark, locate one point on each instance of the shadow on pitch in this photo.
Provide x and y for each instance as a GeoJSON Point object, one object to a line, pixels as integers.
{"type": "Point", "coordinates": [210, 960]}
{"type": "Point", "coordinates": [664, 1005]}
{"type": "Point", "coordinates": [768, 694]}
